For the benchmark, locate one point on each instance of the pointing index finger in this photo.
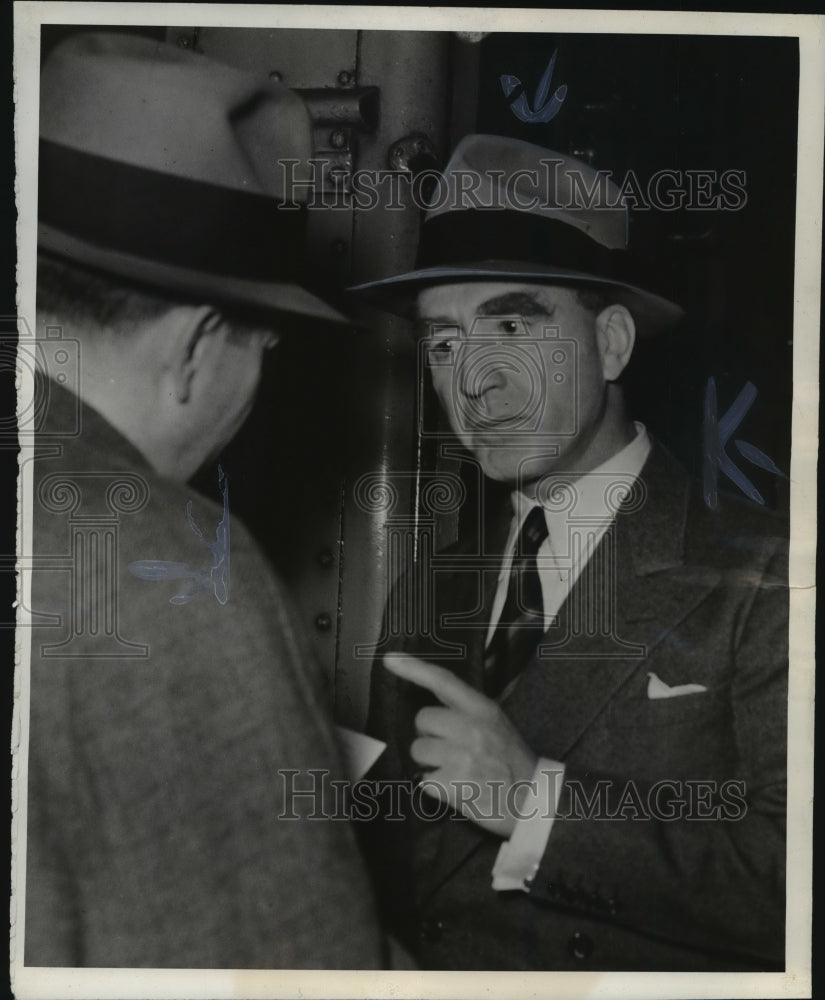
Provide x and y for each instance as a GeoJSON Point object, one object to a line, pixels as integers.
{"type": "Point", "coordinates": [449, 689]}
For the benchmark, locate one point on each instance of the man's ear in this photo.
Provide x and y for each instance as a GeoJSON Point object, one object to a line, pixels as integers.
{"type": "Point", "coordinates": [616, 335]}
{"type": "Point", "coordinates": [190, 338]}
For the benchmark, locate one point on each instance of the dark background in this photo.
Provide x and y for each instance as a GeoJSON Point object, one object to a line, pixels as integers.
{"type": "Point", "coordinates": [649, 103]}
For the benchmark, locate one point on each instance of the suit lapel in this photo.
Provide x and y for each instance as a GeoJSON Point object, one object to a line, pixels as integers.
{"type": "Point", "coordinates": [465, 583]}
{"type": "Point", "coordinates": [639, 590]}
{"type": "Point", "coordinates": [464, 614]}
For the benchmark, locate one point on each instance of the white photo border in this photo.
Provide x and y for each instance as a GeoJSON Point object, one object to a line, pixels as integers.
{"type": "Point", "coordinates": [30, 983]}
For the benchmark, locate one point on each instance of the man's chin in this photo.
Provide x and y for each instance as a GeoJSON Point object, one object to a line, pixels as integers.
{"type": "Point", "coordinates": [498, 465]}
{"type": "Point", "coordinates": [514, 466]}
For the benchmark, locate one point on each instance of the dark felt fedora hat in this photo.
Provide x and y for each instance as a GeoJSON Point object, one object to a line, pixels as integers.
{"type": "Point", "coordinates": [508, 210]}
{"type": "Point", "coordinates": [168, 169]}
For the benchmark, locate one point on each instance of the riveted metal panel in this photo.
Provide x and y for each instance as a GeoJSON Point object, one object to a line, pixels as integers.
{"type": "Point", "coordinates": [339, 407]}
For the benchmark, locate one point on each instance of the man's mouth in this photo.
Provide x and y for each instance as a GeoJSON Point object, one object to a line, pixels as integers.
{"type": "Point", "coordinates": [504, 421]}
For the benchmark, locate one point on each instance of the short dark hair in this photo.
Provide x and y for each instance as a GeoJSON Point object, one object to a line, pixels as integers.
{"type": "Point", "coordinates": [81, 298]}
{"type": "Point", "coordinates": [594, 298]}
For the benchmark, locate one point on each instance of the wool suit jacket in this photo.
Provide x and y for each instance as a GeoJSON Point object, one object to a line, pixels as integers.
{"type": "Point", "coordinates": [693, 595]}
{"type": "Point", "coordinates": [162, 831]}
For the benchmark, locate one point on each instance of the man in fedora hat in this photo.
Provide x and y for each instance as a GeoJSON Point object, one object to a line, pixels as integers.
{"type": "Point", "coordinates": [594, 687]}
{"type": "Point", "coordinates": [168, 699]}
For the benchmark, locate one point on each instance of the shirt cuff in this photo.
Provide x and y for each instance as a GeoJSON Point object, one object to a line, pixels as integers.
{"type": "Point", "coordinates": [519, 857]}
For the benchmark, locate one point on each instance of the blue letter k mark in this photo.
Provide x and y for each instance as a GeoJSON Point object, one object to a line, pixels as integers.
{"type": "Point", "coordinates": [715, 436]}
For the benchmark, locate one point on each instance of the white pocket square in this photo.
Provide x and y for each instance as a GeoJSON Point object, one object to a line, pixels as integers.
{"type": "Point", "coordinates": [656, 688]}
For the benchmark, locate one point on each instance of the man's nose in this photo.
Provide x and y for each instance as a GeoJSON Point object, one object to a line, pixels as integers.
{"type": "Point", "coordinates": [481, 371]}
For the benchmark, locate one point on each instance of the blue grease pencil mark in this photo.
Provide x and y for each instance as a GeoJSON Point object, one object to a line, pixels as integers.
{"type": "Point", "coordinates": [215, 575]}
{"type": "Point", "coordinates": [715, 435]}
{"type": "Point", "coordinates": [544, 109]}
{"type": "Point", "coordinates": [657, 632]}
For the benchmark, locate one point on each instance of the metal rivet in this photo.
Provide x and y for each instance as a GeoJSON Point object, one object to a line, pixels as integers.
{"type": "Point", "coordinates": [588, 155]}
{"type": "Point", "coordinates": [323, 622]}
{"type": "Point", "coordinates": [337, 139]}
{"type": "Point", "coordinates": [580, 946]}
{"type": "Point", "coordinates": [184, 41]}
{"type": "Point", "coordinates": [431, 930]}
{"type": "Point", "coordinates": [338, 248]}
{"type": "Point", "coordinates": [345, 78]}
{"type": "Point", "coordinates": [276, 76]}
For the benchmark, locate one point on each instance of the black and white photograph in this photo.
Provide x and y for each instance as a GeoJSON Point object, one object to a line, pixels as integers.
{"type": "Point", "coordinates": [417, 424]}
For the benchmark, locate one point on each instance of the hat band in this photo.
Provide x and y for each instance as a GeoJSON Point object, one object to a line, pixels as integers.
{"type": "Point", "coordinates": [471, 236]}
{"type": "Point", "coordinates": [166, 219]}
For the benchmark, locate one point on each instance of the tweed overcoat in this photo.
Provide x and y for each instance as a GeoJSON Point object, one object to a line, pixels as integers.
{"type": "Point", "coordinates": [161, 831]}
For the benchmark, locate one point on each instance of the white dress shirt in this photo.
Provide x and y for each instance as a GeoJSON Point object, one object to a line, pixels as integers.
{"type": "Point", "coordinates": [573, 534]}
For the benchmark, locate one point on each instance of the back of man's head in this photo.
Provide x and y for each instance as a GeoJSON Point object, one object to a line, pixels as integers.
{"type": "Point", "coordinates": [160, 183]}
{"type": "Point", "coordinates": [175, 377]}
{"type": "Point", "coordinates": [92, 304]}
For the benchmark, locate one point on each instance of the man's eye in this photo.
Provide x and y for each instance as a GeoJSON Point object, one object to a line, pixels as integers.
{"type": "Point", "coordinates": [509, 326]}
{"type": "Point", "coordinates": [439, 351]}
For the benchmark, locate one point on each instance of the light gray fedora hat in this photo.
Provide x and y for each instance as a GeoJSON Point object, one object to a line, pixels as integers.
{"type": "Point", "coordinates": [167, 168]}
{"type": "Point", "coordinates": [508, 210]}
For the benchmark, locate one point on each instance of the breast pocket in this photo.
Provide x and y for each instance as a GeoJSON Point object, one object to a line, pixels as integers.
{"type": "Point", "coordinates": [684, 736]}
{"type": "Point", "coordinates": [678, 710]}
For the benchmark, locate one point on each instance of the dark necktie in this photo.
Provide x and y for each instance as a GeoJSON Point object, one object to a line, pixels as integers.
{"type": "Point", "coordinates": [521, 624]}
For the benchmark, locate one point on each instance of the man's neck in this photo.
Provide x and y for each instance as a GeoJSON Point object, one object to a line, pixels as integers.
{"type": "Point", "coordinates": [612, 434]}
{"type": "Point", "coordinates": [123, 395]}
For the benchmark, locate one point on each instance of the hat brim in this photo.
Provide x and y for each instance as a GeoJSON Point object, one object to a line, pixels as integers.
{"type": "Point", "coordinates": [280, 298]}
{"type": "Point", "coordinates": [652, 313]}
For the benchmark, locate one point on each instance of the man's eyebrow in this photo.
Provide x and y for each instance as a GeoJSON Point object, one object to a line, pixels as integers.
{"type": "Point", "coordinates": [425, 326]}
{"type": "Point", "coordinates": [435, 321]}
{"type": "Point", "coordinates": [514, 304]}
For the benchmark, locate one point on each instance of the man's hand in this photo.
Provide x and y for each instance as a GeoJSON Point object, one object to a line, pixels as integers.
{"type": "Point", "coordinates": [477, 756]}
